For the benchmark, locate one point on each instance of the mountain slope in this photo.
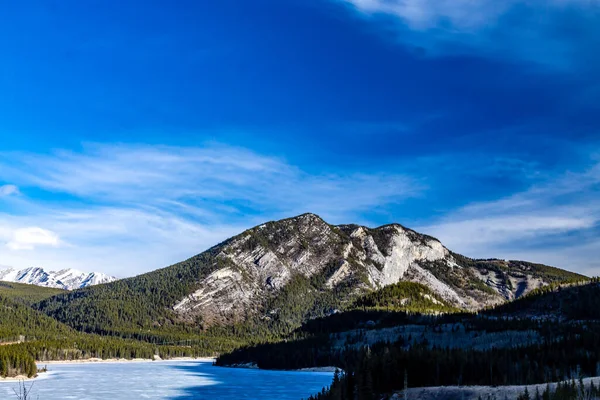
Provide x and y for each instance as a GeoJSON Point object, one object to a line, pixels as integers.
{"type": "Point", "coordinates": [555, 302]}
{"type": "Point", "coordinates": [67, 279]}
{"type": "Point", "coordinates": [404, 296]}
{"type": "Point", "coordinates": [26, 294]}
{"type": "Point", "coordinates": [281, 273]}
{"type": "Point", "coordinates": [20, 320]}
{"type": "Point", "coordinates": [27, 335]}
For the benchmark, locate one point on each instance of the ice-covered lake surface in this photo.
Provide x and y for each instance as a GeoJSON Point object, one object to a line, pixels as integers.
{"type": "Point", "coordinates": [169, 380]}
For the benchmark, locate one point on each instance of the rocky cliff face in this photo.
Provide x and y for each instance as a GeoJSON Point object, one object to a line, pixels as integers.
{"type": "Point", "coordinates": [344, 261]}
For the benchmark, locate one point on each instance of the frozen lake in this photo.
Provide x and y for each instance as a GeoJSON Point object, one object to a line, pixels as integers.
{"type": "Point", "coordinates": [168, 380]}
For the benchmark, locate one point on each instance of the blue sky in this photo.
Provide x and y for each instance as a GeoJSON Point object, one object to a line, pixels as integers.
{"type": "Point", "coordinates": [136, 135]}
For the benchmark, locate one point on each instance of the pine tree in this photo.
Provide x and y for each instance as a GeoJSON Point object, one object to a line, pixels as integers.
{"type": "Point", "coordinates": [546, 394]}
{"type": "Point", "coordinates": [336, 389]}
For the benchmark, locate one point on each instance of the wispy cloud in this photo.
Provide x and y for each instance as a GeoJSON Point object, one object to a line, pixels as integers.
{"type": "Point", "coordinates": [460, 15]}
{"type": "Point", "coordinates": [164, 176]}
{"type": "Point", "coordinates": [125, 209]}
{"type": "Point", "coordinates": [526, 29]}
{"type": "Point", "coordinates": [550, 222]}
{"type": "Point", "coordinates": [7, 190]}
{"type": "Point", "coordinates": [142, 207]}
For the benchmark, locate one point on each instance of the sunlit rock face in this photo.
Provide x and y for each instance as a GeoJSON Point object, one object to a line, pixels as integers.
{"type": "Point", "coordinates": [259, 264]}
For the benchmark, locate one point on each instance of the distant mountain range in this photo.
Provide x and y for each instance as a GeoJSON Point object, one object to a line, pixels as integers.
{"type": "Point", "coordinates": [67, 279]}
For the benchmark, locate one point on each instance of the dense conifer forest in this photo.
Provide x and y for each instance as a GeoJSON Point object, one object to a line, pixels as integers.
{"type": "Point", "coordinates": [27, 335]}
{"type": "Point", "coordinates": [127, 306]}
{"type": "Point", "coordinates": [26, 294]}
{"type": "Point", "coordinates": [568, 350]}
{"type": "Point", "coordinates": [569, 390]}
{"type": "Point", "coordinates": [405, 296]}
{"type": "Point", "coordinates": [381, 368]}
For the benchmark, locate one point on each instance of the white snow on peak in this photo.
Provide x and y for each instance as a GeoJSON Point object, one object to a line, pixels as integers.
{"type": "Point", "coordinates": [68, 279]}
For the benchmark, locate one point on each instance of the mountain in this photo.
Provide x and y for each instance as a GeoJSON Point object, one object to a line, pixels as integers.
{"type": "Point", "coordinates": [349, 260]}
{"type": "Point", "coordinates": [279, 274]}
{"type": "Point", "coordinates": [67, 279]}
{"type": "Point", "coordinates": [74, 279]}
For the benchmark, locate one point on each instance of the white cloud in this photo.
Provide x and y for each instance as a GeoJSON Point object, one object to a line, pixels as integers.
{"type": "Point", "coordinates": [127, 209]}
{"type": "Point", "coordinates": [7, 190]}
{"type": "Point", "coordinates": [460, 15]}
{"type": "Point", "coordinates": [32, 237]}
{"type": "Point", "coordinates": [171, 175]}
{"type": "Point", "coordinates": [542, 224]}
{"type": "Point", "coordinates": [119, 241]}
{"type": "Point", "coordinates": [507, 29]}
{"type": "Point", "coordinates": [482, 233]}
{"type": "Point", "coordinates": [426, 14]}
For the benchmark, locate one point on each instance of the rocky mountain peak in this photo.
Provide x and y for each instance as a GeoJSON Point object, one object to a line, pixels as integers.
{"type": "Point", "coordinates": [348, 259]}
{"type": "Point", "coordinates": [262, 261]}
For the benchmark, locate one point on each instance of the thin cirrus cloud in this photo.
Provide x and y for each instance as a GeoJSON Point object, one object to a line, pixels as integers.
{"type": "Point", "coordinates": [524, 29]}
{"type": "Point", "coordinates": [554, 222]}
{"type": "Point", "coordinates": [426, 14]}
{"type": "Point", "coordinates": [8, 190]}
{"type": "Point", "coordinates": [125, 173]}
{"type": "Point", "coordinates": [126, 209]}
{"type": "Point", "coordinates": [460, 15]}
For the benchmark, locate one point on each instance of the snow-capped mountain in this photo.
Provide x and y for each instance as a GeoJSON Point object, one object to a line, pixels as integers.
{"type": "Point", "coordinates": [75, 279]}
{"type": "Point", "coordinates": [68, 279]}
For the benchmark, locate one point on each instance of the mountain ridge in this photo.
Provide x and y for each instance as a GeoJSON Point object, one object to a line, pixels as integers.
{"type": "Point", "coordinates": [67, 279]}
{"type": "Point", "coordinates": [281, 273]}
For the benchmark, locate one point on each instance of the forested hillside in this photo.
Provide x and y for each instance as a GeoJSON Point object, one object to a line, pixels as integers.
{"type": "Point", "coordinates": [561, 302]}
{"type": "Point", "coordinates": [380, 369]}
{"type": "Point", "coordinates": [26, 294]}
{"type": "Point", "coordinates": [19, 319]}
{"type": "Point", "coordinates": [139, 307]}
{"type": "Point", "coordinates": [508, 345]}
{"type": "Point", "coordinates": [27, 335]}
{"type": "Point", "coordinates": [405, 296]}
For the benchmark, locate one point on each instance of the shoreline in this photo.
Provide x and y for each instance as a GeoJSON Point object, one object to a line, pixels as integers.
{"type": "Point", "coordinates": [23, 378]}
{"type": "Point", "coordinates": [308, 369]}
{"type": "Point", "coordinates": [19, 378]}
{"type": "Point", "coordinates": [475, 392]}
{"type": "Point", "coordinates": [123, 360]}
{"type": "Point", "coordinates": [44, 375]}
